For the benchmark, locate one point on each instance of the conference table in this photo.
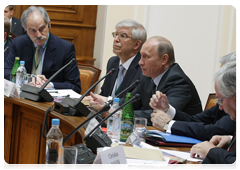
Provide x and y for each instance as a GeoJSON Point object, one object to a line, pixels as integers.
{"type": "Point", "coordinates": [23, 122]}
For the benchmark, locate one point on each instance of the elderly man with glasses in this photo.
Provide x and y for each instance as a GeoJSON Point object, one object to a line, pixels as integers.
{"type": "Point", "coordinates": [202, 126]}
{"type": "Point", "coordinates": [44, 53]}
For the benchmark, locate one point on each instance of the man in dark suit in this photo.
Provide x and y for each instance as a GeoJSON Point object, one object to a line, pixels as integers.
{"type": "Point", "coordinates": [221, 149]}
{"type": "Point", "coordinates": [201, 126]}
{"type": "Point", "coordinates": [53, 52]}
{"type": "Point", "coordinates": [128, 40]}
{"type": "Point", "coordinates": [7, 40]}
{"type": "Point", "coordinates": [159, 69]}
{"type": "Point", "coordinates": [16, 25]}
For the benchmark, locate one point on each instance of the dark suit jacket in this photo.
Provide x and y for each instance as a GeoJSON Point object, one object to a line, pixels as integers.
{"type": "Point", "coordinates": [180, 91]}
{"type": "Point", "coordinates": [9, 45]}
{"type": "Point", "coordinates": [133, 73]}
{"type": "Point", "coordinates": [220, 156]}
{"type": "Point", "coordinates": [58, 53]}
{"type": "Point", "coordinates": [204, 125]}
{"type": "Point", "coordinates": [16, 27]}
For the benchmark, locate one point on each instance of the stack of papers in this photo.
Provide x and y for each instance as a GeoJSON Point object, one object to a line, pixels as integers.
{"type": "Point", "coordinates": [64, 93]}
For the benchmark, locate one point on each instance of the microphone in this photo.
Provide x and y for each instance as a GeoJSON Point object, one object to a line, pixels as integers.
{"type": "Point", "coordinates": [40, 94]}
{"type": "Point", "coordinates": [72, 107]}
{"type": "Point", "coordinates": [6, 49]}
{"type": "Point", "coordinates": [97, 138]}
{"type": "Point", "coordinates": [134, 84]}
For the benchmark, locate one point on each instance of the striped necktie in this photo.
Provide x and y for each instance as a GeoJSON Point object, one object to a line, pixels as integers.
{"type": "Point", "coordinates": [37, 66]}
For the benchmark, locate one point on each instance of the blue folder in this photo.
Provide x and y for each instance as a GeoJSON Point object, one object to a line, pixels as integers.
{"type": "Point", "coordinates": [167, 137]}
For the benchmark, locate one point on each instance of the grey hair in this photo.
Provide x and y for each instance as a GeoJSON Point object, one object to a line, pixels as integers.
{"type": "Point", "coordinates": [32, 9]}
{"type": "Point", "coordinates": [228, 58]}
{"type": "Point", "coordinates": [138, 32]}
{"type": "Point", "coordinates": [165, 47]}
{"type": "Point", "coordinates": [225, 79]}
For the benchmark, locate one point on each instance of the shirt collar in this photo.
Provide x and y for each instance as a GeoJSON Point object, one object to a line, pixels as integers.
{"type": "Point", "coordinates": [158, 78]}
{"type": "Point", "coordinates": [127, 63]}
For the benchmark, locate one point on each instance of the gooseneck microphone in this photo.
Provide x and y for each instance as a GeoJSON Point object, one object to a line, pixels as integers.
{"type": "Point", "coordinates": [40, 94]}
{"type": "Point", "coordinates": [97, 138]}
{"type": "Point", "coordinates": [6, 49]}
{"type": "Point", "coordinates": [72, 107]}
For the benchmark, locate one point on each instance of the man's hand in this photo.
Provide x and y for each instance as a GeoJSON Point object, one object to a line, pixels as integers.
{"type": "Point", "coordinates": [159, 101]}
{"type": "Point", "coordinates": [221, 141]}
{"type": "Point", "coordinates": [41, 79]}
{"type": "Point", "coordinates": [159, 119]}
{"type": "Point", "coordinates": [201, 150]}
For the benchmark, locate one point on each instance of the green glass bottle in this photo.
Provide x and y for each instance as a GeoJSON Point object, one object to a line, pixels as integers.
{"type": "Point", "coordinates": [127, 119]}
{"type": "Point", "coordinates": [14, 70]}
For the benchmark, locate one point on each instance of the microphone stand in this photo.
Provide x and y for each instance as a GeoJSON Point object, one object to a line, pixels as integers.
{"type": "Point", "coordinates": [40, 94]}
{"type": "Point", "coordinates": [71, 107]}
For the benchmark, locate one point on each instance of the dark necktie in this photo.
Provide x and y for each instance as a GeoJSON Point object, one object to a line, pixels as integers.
{"type": "Point", "coordinates": [153, 88]}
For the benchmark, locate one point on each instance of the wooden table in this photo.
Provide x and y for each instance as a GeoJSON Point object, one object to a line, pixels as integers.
{"type": "Point", "coordinates": [23, 122]}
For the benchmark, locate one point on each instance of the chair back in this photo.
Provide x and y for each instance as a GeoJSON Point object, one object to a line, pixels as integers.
{"type": "Point", "coordinates": [88, 75]}
{"type": "Point", "coordinates": [211, 101]}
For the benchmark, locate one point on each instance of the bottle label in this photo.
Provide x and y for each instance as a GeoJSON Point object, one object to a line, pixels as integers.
{"type": "Point", "coordinates": [126, 128]}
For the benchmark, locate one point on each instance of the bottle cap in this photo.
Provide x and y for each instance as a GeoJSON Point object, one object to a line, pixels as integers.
{"type": "Point", "coordinates": [17, 58]}
{"type": "Point", "coordinates": [55, 121]}
{"type": "Point", "coordinates": [22, 62]}
{"type": "Point", "coordinates": [115, 100]}
{"type": "Point", "coordinates": [129, 95]}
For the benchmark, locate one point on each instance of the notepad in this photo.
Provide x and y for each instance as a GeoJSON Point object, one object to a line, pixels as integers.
{"type": "Point", "coordinates": [170, 138]}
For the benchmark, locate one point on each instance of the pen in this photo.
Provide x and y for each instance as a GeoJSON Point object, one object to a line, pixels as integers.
{"type": "Point", "coordinates": [53, 91]}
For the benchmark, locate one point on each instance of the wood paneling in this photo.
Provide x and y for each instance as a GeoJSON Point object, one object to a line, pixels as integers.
{"type": "Point", "coordinates": [74, 23]}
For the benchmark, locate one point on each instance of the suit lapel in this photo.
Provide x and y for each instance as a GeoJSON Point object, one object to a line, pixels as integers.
{"type": "Point", "coordinates": [114, 75]}
{"type": "Point", "coordinates": [28, 54]}
{"type": "Point", "coordinates": [128, 78]}
{"type": "Point", "coordinates": [50, 53]}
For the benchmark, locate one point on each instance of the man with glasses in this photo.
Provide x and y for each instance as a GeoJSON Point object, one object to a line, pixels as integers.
{"type": "Point", "coordinates": [160, 72]}
{"type": "Point", "coordinates": [44, 53]}
{"type": "Point", "coordinates": [202, 126]}
{"type": "Point", "coordinates": [128, 39]}
{"type": "Point", "coordinates": [221, 149]}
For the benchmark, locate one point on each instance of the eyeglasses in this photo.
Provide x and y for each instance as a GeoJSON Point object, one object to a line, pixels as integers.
{"type": "Point", "coordinates": [120, 35]}
{"type": "Point", "coordinates": [41, 29]}
{"type": "Point", "coordinates": [219, 102]}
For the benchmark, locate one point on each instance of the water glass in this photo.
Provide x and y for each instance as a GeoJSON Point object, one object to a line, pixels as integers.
{"type": "Point", "coordinates": [31, 79]}
{"type": "Point", "coordinates": [69, 154]}
{"type": "Point", "coordinates": [140, 125]}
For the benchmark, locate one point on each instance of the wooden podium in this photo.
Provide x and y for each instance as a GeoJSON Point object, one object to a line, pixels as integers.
{"type": "Point", "coordinates": [23, 122]}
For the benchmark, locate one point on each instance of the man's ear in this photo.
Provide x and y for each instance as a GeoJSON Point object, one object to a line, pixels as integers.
{"type": "Point", "coordinates": [137, 44]}
{"type": "Point", "coordinates": [5, 36]}
{"type": "Point", "coordinates": [49, 25]}
{"type": "Point", "coordinates": [165, 59]}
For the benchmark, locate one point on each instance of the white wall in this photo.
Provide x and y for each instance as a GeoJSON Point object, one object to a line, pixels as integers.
{"type": "Point", "coordinates": [199, 34]}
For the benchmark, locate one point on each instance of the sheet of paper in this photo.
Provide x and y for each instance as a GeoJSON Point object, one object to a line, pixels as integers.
{"type": "Point", "coordinates": [64, 93]}
{"type": "Point", "coordinates": [183, 155]}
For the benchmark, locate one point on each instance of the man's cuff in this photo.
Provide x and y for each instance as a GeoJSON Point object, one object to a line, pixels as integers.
{"type": "Point", "coordinates": [171, 112]}
{"type": "Point", "coordinates": [170, 126]}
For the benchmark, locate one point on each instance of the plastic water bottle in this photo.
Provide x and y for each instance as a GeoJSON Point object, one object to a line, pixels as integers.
{"type": "Point", "coordinates": [114, 122]}
{"type": "Point", "coordinates": [21, 76]}
{"type": "Point", "coordinates": [14, 70]}
{"type": "Point", "coordinates": [54, 154]}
